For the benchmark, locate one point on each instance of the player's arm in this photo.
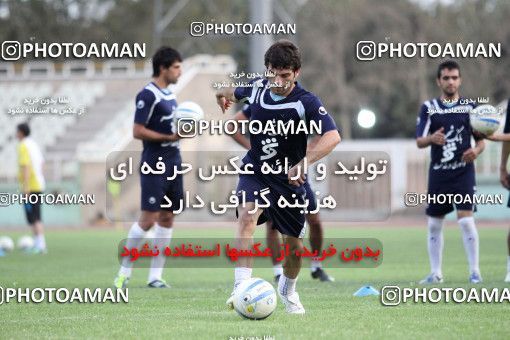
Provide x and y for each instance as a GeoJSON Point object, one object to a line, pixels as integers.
{"type": "Point", "coordinates": [321, 148]}
{"type": "Point", "coordinates": [225, 98]}
{"type": "Point", "coordinates": [470, 154]}
{"type": "Point", "coordinates": [423, 136]}
{"type": "Point", "coordinates": [503, 172]}
{"type": "Point", "coordinates": [313, 142]}
{"type": "Point", "coordinates": [499, 137]}
{"type": "Point", "coordinates": [437, 138]}
{"type": "Point", "coordinates": [505, 152]}
{"type": "Point", "coordinates": [143, 133]}
{"type": "Point", "coordinates": [238, 136]}
{"type": "Point", "coordinates": [144, 108]}
{"type": "Point", "coordinates": [322, 145]}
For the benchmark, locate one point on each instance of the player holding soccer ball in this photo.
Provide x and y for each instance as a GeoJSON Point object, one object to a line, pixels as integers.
{"type": "Point", "coordinates": [443, 124]}
{"type": "Point", "coordinates": [278, 98]}
{"type": "Point", "coordinates": [313, 220]}
{"type": "Point", "coordinates": [504, 176]}
{"type": "Point", "coordinates": [153, 125]}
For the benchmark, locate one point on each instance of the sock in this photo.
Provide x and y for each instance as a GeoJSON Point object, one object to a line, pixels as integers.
{"type": "Point", "coordinates": [508, 264]}
{"type": "Point", "coordinates": [314, 265]}
{"type": "Point", "coordinates": [162, 237]}
{"type": "Point", "coordinates": [470, 238]}
{"type": "Point", "coordinates": [286, 286]}
{"type": "Point", "coordinates": [435, 244]}
{"type": "Point", "coordinates": [277, 269]}
{"type": "Point", "coordinates": [134, 238]}
{"type": "Point", "coordinates": [40, 242]}
{"type": "Point", "coordinates": [240, 274]}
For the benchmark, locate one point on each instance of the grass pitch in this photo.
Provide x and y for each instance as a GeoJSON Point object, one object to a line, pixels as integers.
{"type": "Point", "coordinates": [194, 308]}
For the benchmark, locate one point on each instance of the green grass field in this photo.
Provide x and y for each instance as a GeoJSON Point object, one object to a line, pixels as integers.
{"type": "Point", "coordinates": [194, 308]}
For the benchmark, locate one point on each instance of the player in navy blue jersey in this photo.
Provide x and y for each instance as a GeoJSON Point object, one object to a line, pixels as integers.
{"type": "Point", "coordinates": [278, 98]}
{"type": "Point", "coordinates": [443, 124]}
{"type": "Point", "coordinates": [153, 125]}
{"type": "Point", "coordinates": [313, 220]}
{"type": "Point", "coordinates": [504, 176]}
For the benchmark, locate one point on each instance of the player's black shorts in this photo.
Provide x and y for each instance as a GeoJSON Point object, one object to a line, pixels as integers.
{"type": "Point", "coordinates": [460, 182]}
{"type": "Point", "coordinates": [288, 221]}
{"type": "Point", "coordinates": [33, 211]}
{"type": "Point", "coordinates": [156, 187]}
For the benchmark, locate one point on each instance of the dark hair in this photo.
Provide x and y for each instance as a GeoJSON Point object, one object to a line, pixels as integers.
{"type": "Point", "coordinates": [449, 64]}
{"type": "Point", "coordinates": [24, 129]}
{"type": "Point", "coordinates": [164, 56]}
{"type": "Point", "coordinates": [283, 54]}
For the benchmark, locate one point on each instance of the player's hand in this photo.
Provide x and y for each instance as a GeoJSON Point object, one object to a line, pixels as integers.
{"type": "Point", "coordinates": [469, 155]}
{"type": "Point", "coordinates": [504, 178]}
{"type": "Point", "coordinates": [480, 135]}
{"type": "Point", "coordinates": [174, 137]}
{"type": "Point", "coordinates": [223, 102]}
{"type": "Point", "coordinates": [495, 137]}
{"type": "Point", "coordinates": [438, 137]}
{"type": "Point", "coordinates": [293, 172]}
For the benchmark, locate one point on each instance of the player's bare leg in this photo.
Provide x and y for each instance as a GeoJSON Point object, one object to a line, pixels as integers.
{"type": "Point", "coordinates": [507, 279]}
{"type": "Point", "coordinates": [244, 240]}
{"type": "Point", "coordinates": [471, 243]}
{"type": "Point", "coordinates": [316, 237]}
{"type": "Point", "coordinates": [287, 282]}
{"type": "Point", "coordinates": [435, 249]}
{"type": "Point", "coordinates": [273, 243]}
{"type": "Point", "coordinates": [40, 241]}
{"type": "Point", "coordinates": [162, 236]}
{"type": "Point", "coordinates": [134, 239]}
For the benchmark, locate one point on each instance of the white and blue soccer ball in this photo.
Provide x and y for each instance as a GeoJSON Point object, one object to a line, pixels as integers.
{"type": "Point", "coordinates": [255, 299]}
{"type": "Point", "coordinates": [188, 113]}
{"type": "Point", "coordinates": [485, 119]}
{"type": "Point", "coordinates": [25, 242]}
{"type": "Point", "coordinates": [6, 244]}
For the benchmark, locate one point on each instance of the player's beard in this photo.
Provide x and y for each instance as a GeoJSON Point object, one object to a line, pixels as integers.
{"type": "Point", "coordinates": [450, 92]}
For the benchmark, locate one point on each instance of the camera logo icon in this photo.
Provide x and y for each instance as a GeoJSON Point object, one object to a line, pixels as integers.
{"type": "Point", "coordinates": [391, 296]}
{"type": "Point", "coordinates": [365, 50]}
{"type": "Point", "coordinates": [197, 29]}
{"type": "Point", "coordinates": [11, 50]}
{"type": "Point", "coordinates": [5, 199]}
{"type": "Point", "coordinates": [187, 127]}
{"type": "Point", "coordinates": [411, 199]}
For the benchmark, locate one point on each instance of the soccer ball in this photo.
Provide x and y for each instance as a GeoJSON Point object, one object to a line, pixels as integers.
{"type": "Point", "coordinates": [185, 117]}
{"type": "Point", "coordinates": [25, 242]}
{"type": "Point", "coordinates": [6, 243]}
{"type": "Point", "coordinates": [255, 299]}
{"type": "Point", "coordinates": [485, 119]}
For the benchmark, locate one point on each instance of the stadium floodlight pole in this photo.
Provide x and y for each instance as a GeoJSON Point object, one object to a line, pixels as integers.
{"type": "Point", "coordinates": [162, 22]}
{"type": "Point", "coordinates": [261, 12]}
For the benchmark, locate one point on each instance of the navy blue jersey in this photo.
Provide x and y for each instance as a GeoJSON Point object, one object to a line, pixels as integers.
{"type": "Point", "coordinates": [246, 110]}
{"type": "Point", "coordinates": [154, 110]}
{"type": "Point", "coordinates": [434, 114]}
{"type": "Point", "coordinates": [299, 105]}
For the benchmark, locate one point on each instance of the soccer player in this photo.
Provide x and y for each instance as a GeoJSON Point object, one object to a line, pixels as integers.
{"type": "Point", "coordinates": [504, 176]}
{"type": "Point", "coordinates": [31, 179]}
{"type": "Point", "coordinates": [313, 220]}
{"type": "Point", "coordinates": [153, 125]}
{"type": "Point", "coordinates": [278, 98]}
{"type": "Point", "coordinates": [443, 124]}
